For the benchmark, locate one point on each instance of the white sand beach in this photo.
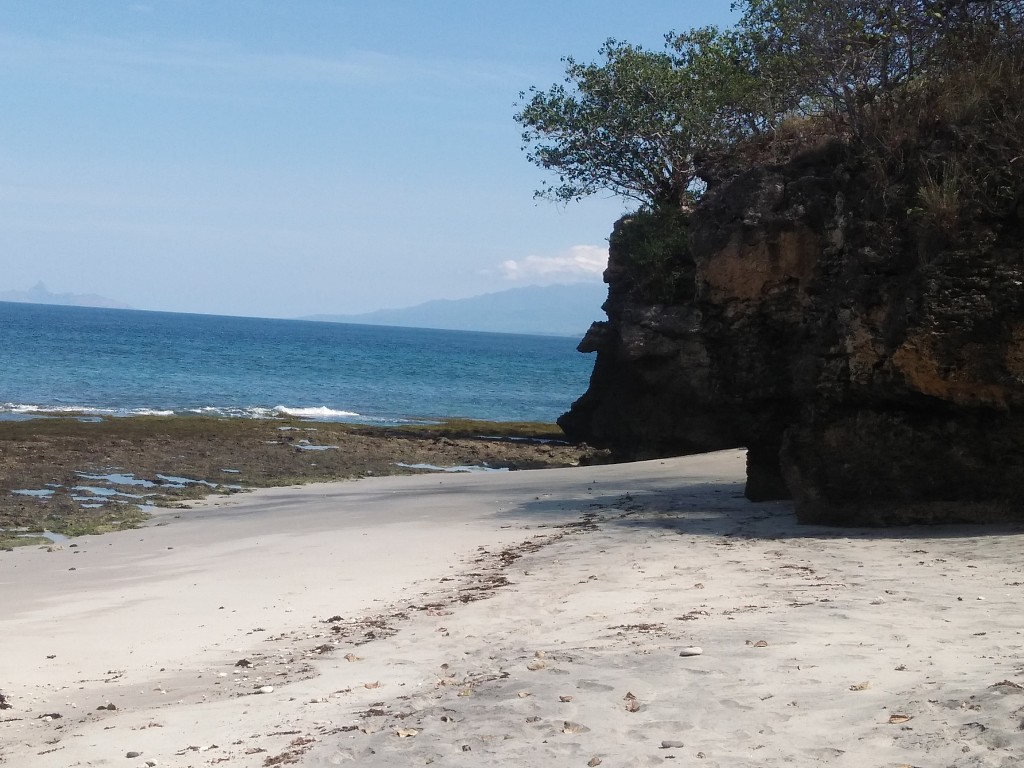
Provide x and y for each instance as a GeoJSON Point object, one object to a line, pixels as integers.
{"type": "Point", "coordinates": [514, 619]}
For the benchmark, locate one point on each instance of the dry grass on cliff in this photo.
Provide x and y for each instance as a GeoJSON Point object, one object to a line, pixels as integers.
{"type": "Point", "coordinates": [948, 149]}
{"type": "Point", "coordinates": [951, 150]}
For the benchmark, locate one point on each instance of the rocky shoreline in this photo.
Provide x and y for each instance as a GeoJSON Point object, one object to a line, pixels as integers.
{"type": "Point", "coordinates": [72, 476]}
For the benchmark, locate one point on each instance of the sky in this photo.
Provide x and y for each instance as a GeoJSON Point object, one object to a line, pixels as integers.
{"type": "Point", "coordinates": [281, 159]}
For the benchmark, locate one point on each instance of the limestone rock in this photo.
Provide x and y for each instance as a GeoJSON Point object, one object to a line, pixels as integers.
{"type": "Point", "coordinates": [873, 369]}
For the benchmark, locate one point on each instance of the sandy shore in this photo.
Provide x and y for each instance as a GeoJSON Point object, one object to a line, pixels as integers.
{"type": "Point", "coordinates": [521, 619]}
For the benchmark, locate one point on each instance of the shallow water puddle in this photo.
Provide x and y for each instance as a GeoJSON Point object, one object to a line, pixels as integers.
{"type": "Point", "coordinates": [117, 479]}
{"type": "Point", "coordinates": [100, 495]}
{"type": "Point", "coordinates": [100, 491]}
{"type": "Point", "coordinates": [24, 533]}
{"type": "Point", "coordinates": [435, 468]}
{"type": "Point", "coordinates": [181, 482]}
{"type": "Point", "coordinates": [41, 493]}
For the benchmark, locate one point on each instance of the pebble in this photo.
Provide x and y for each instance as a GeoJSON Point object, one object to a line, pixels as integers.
{"type": "Point", "coordinates": [133, 754]}
{"type": "Point", "coordinates": [692, 650]}
{"type": "Point", "coordinates": [668, 744]}
{"type": "Point", "coordinates": [265, 689]}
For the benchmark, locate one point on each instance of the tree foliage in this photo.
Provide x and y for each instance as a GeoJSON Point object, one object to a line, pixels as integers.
{"type": "Point", "coordinates": [611, 126]}
{"type": "Point", "coordinates": [637, 122]}
{"type": "Point", "coordinates": [841, 56]}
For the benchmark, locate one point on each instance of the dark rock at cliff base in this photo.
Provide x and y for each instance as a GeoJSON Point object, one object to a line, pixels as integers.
{"type": "Point", "coordinates": [871, 362]}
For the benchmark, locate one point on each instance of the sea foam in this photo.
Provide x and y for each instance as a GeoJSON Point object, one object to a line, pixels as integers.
{"type": "Point", "coordinates": [22, 409]}
{"type": "Point", "coordinates": [319, 413]}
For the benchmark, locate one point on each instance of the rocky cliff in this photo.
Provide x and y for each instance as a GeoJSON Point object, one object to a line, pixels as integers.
{"type": "Point", "coordinates": [865, 341]}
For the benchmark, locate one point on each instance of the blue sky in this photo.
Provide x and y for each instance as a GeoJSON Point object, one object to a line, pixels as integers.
{"type": "Point", "coordinates": [278, 159]}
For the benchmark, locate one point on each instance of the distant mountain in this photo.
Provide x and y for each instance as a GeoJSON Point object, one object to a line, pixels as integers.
{"type": "Point", "coordinates": [551, 310]}
{"type": "Point", "coordinates": [38, 294]}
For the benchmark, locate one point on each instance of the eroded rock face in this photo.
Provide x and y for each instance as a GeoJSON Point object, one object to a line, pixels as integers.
{"type": "Point", "coordinates": [874, 370]}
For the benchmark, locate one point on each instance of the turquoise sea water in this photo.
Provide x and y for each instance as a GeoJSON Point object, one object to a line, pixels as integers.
{"type": "Point", "coordinates": [124, 362]}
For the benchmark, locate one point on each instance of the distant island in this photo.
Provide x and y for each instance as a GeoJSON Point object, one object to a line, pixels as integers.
{"type": "Point", "coordinates": [40, 294]}
{"type": "Point", "coordinates": [551, 310]}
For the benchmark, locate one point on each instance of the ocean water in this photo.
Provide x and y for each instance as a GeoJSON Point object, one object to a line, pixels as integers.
{"type": "Point", "coordinates": [105, 362]}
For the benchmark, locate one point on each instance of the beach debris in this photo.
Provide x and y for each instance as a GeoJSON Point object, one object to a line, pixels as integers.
{"type": "Point", "coordinates": [374, 684]}
{"type": "Point", "coordinates": [595, 760]}
{"type": "Point", "coordinates": [860, 686]}
{"type": "Point", "coordinates": [265, 689]}
{"type": "Point", "coordinates": [536, 664]}
{"type": "Point", "coordinates": [243, 663]}
{"type": "Point", "coordinates": [133, 753]}
{"type": "Point", "coordinates": [760, 644]}
{"type": "Point", "coordinates": [194, 748]}
{"type": "Point", "coordinates": [1002, 683]}
{"type": "Point", "coordinates": [48, 716]}
{"type": "Point", "coordinates": [632, 702]}
{"type": "Point", "coordinates": [533, 719]}
{"type": "Point", "coordinates": [466, 748]}
{"type": "Point", "coordinates": [899, 717]}
{"type": "Point", "coordinates": [565, 699]}
{"type": "Point", "coordinates": [4, 703]}
{"type": "Point", "coordinates": [523, 694]}
{"type": "Point", "coordinates": [692, 650]}
{"type": "Point", "coordinates": [352, 657]}
{"type": "Point", "coordinates": [639, 627]}
{"type": "Point", "coordinates": [405, 733]}
{"type": "Point", "coordinates": [671, 744]}
{"type": "Point", "coordinates": [572, 728]}
{"type": "Point", "coordinates": [109, 707]}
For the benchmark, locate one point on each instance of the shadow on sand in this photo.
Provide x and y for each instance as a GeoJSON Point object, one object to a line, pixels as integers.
{"type": "Point", "coordinates": [720, 510]}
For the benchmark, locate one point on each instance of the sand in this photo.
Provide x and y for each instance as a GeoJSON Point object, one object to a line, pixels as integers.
{"type": "Point", "coordinates": [518, 619]}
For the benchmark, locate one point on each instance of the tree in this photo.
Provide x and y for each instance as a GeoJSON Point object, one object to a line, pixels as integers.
{"type": "Point", "coordinates": [612, 126]}
{"type": "Point", "coordinates": [635, 124]}
{"type": "Point", "coordinates": [638, 122]}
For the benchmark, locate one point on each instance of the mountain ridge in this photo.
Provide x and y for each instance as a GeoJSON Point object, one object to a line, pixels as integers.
{"type": "Point", "coordinates": [40, 294]}
{"type": "Point", "coordinates": [565, 309]}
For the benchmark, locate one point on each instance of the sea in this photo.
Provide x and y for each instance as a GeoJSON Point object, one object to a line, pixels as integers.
{"type": "Point", "coordinates": [103, 363]}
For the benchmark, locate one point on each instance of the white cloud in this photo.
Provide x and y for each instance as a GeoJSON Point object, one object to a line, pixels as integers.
{"type": "Point", "coordinates": [576, 262]}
